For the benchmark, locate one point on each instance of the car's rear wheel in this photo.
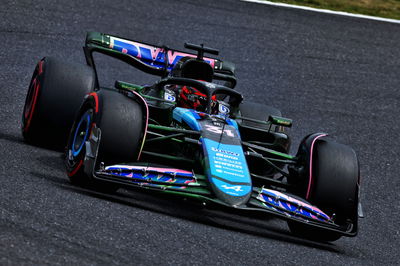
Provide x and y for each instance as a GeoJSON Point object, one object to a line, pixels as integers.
{"type": "Point", "coordinates": [54, 96]}
{"type": "Point", "coordinates": [122, 121]}
{"type": "Point", "coordinates": [332, 185]}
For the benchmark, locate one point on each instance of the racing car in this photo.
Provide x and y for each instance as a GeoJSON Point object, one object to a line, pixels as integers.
{"type": "Point", "coordinates": [190, 134]}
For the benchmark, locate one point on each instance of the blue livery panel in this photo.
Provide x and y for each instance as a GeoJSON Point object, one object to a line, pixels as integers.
{"type": "Point", "coordinates": [224, 160]}
{"type": "Point", "coordinates": [228, 167]}
{"type": "Point", "coordinates": [187, 116]}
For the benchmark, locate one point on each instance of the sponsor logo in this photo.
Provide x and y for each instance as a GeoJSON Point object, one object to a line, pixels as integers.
{"type": "Point", "coordinates": [169, 97]}
{"type": "Point", "coordinates": [210, 85]}
{"type": "Point", "coordinates": [223, 109]}
{"type": "Point", "coordinates": [235, 188]}
{"type": "Point", "coordinates": [155, 55]}
{"type": "Point", "coordinates": [224, 152]}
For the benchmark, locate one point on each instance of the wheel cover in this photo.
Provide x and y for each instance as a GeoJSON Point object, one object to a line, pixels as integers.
{"type": "Point", "coordinates": [81, 133]}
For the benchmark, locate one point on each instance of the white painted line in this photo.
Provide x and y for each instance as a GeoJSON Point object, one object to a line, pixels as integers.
{"type": "Point", "coordinates": [341, 13]}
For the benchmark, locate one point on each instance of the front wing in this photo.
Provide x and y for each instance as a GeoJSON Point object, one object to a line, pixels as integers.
{"type": "Point", "coordinates": [190, 185]}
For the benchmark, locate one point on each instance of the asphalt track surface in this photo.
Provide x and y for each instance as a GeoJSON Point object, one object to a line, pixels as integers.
{"type": "Point", "coordinates": [329, 73]}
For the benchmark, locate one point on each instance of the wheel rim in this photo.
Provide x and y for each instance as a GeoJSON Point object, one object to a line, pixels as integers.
{"type": "Point", "coordinates": [81, 133]}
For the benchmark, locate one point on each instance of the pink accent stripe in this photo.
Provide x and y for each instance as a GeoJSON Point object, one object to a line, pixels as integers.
{"type": "Point", "coordinates": [168, 170]}
{"type": "Point", "coordinates": [147, 121]}
{"type": "Point", "coordinates": [310, 181]}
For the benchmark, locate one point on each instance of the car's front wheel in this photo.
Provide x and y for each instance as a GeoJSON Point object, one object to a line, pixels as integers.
{"type": "Point", "coordinates": [122, 121]}
{"type": "Point", "coordinates": [331, 184]}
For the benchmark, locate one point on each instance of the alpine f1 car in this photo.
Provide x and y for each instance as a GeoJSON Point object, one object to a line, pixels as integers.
{"type": "Point", "coordinates": [189, 134]}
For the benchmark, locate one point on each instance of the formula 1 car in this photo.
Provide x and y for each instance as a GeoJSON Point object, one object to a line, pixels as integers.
{"type": "Point", "coordinates": [189, 134]}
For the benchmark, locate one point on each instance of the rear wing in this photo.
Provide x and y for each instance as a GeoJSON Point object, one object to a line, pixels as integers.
{"type": "Point", "coordinates": [155, 60]}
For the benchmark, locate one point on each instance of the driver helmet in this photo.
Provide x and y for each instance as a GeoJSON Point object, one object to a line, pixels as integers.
{"type": "Point", "coordinates": [189, 97]}
{"type": "Point", "coordinates": [192, 98]}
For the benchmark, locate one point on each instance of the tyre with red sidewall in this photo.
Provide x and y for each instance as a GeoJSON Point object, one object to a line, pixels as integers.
{"type": "Point", "coordinates": [122, 121]}
{"type": "Point", "coordinates": [55, 93]}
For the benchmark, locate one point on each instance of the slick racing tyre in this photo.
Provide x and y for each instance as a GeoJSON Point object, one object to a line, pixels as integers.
{"type": "Point", "coordinates": [55, 94]}
{"type": "Point", "coordinates": [332, 185]}
{"type": "Point", "coordinates": [122, 122]}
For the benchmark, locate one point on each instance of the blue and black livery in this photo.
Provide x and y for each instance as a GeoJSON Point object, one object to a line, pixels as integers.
{"type": "Point", "coordinates": [238, 159]}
